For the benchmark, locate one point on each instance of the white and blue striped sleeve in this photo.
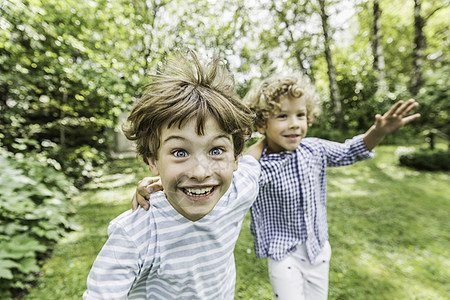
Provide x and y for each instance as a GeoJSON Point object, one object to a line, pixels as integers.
{"type": "Point", "coordinates": [250, 166]}
{"type": "Point", "coordinates": [115, 268]}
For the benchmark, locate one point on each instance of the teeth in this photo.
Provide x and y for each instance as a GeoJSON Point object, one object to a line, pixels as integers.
{"type": "Point", "coordinates": [198, 192]}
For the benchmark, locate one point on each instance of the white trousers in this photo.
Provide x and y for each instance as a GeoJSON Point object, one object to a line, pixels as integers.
{"type": "Point", "coordinates": [295, 278]}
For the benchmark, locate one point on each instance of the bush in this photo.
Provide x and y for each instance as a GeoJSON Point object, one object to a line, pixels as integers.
{"type": "Point", "coordinates": [429, 160]}
{"type": "Point", "coordinates": [34, 211]}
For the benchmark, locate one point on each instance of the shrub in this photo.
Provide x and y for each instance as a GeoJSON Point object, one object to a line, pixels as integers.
{"type": "Point", "coordinates": [429, 160]}
{"type": "Point", "coordinates": [34, 211]}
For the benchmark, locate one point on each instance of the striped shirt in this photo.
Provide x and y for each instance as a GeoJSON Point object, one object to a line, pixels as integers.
{"type": "Point", "coordinates": [159, 254]}
{"type": "Point", "coordinates": [291, 205]}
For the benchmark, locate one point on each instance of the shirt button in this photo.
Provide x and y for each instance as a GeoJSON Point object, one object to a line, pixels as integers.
{"type": "Point", "coordinates": [306, 211]}
{"type": "Point", "coordinates": [302, 182]}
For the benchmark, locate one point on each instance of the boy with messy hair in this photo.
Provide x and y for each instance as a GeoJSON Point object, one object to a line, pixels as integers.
{"type": "Point", "coordinates": [190, 128]}
{"type": "Point", "coordinates": [289, 219]}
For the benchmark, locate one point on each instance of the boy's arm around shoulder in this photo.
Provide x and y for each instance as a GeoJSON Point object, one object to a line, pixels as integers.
{"type": "Point", "coordinates": [256, 149]}
{"type": "Point", "coordinates": [145, 187]}
{"type": "Point", "coordinates": [249, 162]}
{"type": "Point", "coordinates": [396, 117]}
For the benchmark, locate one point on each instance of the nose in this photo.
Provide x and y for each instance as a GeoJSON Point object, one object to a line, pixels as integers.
{"type": "Point", "coordinates": [201, 169]}
{"type": "Point", "coordinates": [294, 123]}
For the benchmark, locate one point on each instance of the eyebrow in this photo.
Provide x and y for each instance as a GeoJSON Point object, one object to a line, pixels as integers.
{"type": "Point", "coordinates": [179, 137]}
{"type": "Point", "coordinates": [286, 111]}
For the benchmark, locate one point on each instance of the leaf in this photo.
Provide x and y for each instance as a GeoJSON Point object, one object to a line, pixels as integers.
{"type": "Point", "coordinates": [28, 265]}
{"type": "Point", "coordinates": [5, 268]}
{"type": "Point", "coordinates": [52, 235]}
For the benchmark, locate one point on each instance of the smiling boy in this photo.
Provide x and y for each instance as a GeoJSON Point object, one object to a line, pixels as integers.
{"type": "Point", "coordinates": [190, 128]}
{"type": "Point", "coordinates": [289, 216]}
{"type": "Point", "coordinates": [196, 170]}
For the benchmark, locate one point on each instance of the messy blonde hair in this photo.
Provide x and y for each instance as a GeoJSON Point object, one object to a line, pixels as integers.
{"type": "Point", "coordinates": [264, 100]}
{"type": "Point", "coordinates": [188, 90]}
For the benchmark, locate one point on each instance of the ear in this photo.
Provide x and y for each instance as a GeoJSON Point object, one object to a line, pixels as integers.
{"type": "Point", "coordinates": [261, 130]}
{"type": "Point", "coordinates": [153, 167]}
{"type": "Point", "coordinates": [236, 159]}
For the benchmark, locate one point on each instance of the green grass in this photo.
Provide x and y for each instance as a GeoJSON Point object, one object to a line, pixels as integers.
{"type": "Point", "coordinates": [389, 232]}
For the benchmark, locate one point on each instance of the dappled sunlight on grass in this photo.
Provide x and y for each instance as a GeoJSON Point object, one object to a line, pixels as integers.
{"type": "Point", "coordinates": [348, 181]}
{"type": "Point", "coordinates": [396, 172]}
{"type": "Point", "coordinates": [392, 243]}
{"type": "Point", "coordinates": [111, 181]}
{"type": "Point", "coordinates": [411, 264]}
{"type": "Point", "coordinates": [107, 196]}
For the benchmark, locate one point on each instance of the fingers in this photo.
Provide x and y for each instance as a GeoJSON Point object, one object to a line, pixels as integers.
{"type": "Point", "coordinates": [142, 188]}
{"type": "Point", "coordinates": [393, 110]}
{"type": "Point", "coordinates": [142, 202]}
{"type": "Point", "coordinates": [409, 106]}
{"type": "Point", "coordinates": [142, 191]}
{"type": "Point", "coordinates": [378, 119]}
{"type": "Point", "coordinates": [406, 108]}
{"type": "Point", "coordinates": [411, 118]}
{"type": "Point", "coordinates": [145, 187]}
{"type": "Point", "coordinates": [156, 186]}
{"type": "Point", "coordinates": [137, 201]}
{"type": "Point", "coordinates": [134, 203]}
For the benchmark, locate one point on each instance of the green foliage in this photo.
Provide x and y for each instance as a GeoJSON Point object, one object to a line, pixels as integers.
{"type": "Point", "coordinates": [33, 216]}
{"type": "Point", "coordinates": [428, 160]}
{"type": "Point", "coordinates": [61, 86]}
{"type": "Point", "coordinates": [433, 99]}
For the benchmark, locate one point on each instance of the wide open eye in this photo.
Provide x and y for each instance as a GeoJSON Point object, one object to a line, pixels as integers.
{"type": "Point", "coordinates": [180, 153]}
{"type": "Point", "coordinates": [216, 151]}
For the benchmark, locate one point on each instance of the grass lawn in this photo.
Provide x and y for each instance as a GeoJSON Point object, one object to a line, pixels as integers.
{"type": "Point", "coordinates": [389, 231]}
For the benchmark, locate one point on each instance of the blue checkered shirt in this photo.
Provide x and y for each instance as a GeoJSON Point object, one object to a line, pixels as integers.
{"type": "Point", "coordinates": [291, 204]}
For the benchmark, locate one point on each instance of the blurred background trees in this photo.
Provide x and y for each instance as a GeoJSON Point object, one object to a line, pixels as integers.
{"type": "Point", "coordinates": [68, 69]}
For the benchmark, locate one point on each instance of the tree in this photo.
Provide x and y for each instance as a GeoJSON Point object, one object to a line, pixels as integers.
{"type": "Point", "coordinates": [377, 49]}
{"type": "Point", "coordinates": [419, 46]}
{"type": "Point", "coordinates": [294, 17]}
{"type": "Point", "coordinates": [334, 88]}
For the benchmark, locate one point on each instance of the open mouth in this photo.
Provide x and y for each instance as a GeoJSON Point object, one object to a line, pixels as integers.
{"type": "Point", "coordinates": [198, 192]}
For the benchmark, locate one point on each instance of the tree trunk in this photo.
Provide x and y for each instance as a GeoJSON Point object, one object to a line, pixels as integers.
{"type": "Point", "coordinates": [418, 49]}
{"type": "Point", "coordinates": [377, 49]}
{"type": "Point", "coordinates": [62, 128]}
{"type": "Point", "coordinates": [294, 44]}
{"type": "Point", "coordinates": [334, 89]}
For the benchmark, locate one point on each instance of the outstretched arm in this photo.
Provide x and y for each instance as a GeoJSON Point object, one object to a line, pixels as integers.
{"type": "Point", "coordinates": [396, 117]}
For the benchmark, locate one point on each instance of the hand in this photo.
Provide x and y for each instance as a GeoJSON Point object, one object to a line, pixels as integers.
{"type": "Point", "coordinates": [145, 187]}
{"type": "Point", "coordinates": [396, 117]}
{"type": "Point", "coordinates": [257, 148]}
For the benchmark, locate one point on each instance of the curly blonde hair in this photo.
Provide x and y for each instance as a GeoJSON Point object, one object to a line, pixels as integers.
{"type": "Point", "coordinates": [188, 90]}
{"type": "Point", "coordinates": [264, 100]}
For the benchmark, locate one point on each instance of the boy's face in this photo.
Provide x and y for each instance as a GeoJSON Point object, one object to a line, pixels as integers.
{"type": "Point", "coordinates": [286, 128]}
{"type": "Point", "coordinates": [196, 170]}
